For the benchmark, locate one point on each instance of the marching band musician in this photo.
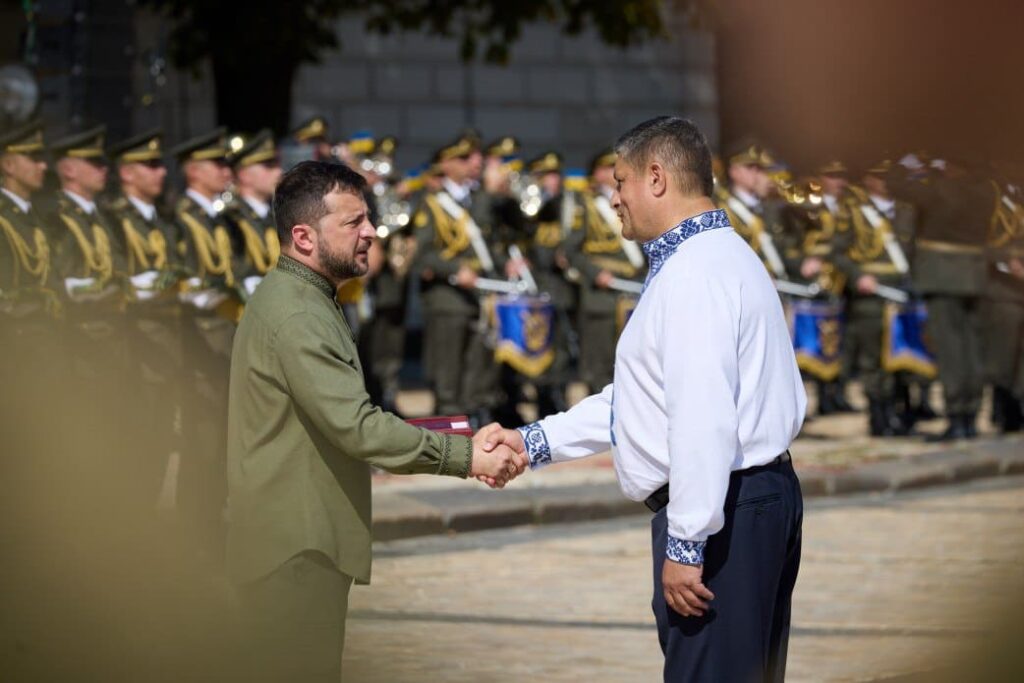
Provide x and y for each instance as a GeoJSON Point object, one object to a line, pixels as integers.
{"type": "Point", "coordinates": [382, 338]}
{"type": "Point", "coordinates": [949, 271]}
{"type": "Point", "coordinates": [603, 255]}
{"type": "Point", "coordinates": [554, 235]}
{"type": "Point", "coordinates": [874, 250]}
{"type": "Point", "coordinates": [453, 249]}
{"type": "Point", "coordinates": [314, 132]}
{"type": "Point", "coordinates": [1003, 307]}
{"type": "Point", "coordinates": [831, 218]}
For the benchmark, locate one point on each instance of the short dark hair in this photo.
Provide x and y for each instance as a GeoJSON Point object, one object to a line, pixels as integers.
{"type": "Point", "coordinates": [299, 197]}
{"type": "Point", "coordinates": [678, 144]}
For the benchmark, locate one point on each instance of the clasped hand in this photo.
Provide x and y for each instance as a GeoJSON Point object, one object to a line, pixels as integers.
{"type": "Point", "coordinates": [499, 455]}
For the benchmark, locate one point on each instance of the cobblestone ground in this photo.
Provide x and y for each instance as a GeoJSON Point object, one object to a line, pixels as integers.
{"type": "Point", "coordinates": [887, 585]}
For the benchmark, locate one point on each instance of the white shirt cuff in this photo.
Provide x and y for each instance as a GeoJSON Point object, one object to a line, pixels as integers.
{"type": "Point", "coordinates": [685, 552]}
{"type": "Point", "coordinates": [537, 447]}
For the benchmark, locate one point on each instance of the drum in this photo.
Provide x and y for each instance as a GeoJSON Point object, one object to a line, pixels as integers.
{"type": "Point", "coordinates": [525, 331]}
{"type": "Point", "coordinates": [904, 343]}
{"type": "Point", "coordinates": [817, 329]}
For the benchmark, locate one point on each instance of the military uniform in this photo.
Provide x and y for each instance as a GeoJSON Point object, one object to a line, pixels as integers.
{"type": "Point", "coordinates": [556, 234]}
{"type": "Point", "coordinates": [149, 242]}
{"type": "Point", "coordinates": [459, 362]}
{"type": "Point", "coordinates": [1003, 308]}
{"type": "Point", "coordinates": [254, 236]}
{"type": "Point", "coordinates": [384, 338]}
{"type": "Point", "coordinates": [212, 296]}
{"type": "Point", "coordinates": [877, 243]}
{"type": "Point", "coordinates": [93, 269]}
{"type": "Point", "coordinates": [314, 132]}
{"type": "Point", "coordinates": [600, 247]}
{"type": "Point", "coordinates": [32, 367]}
{"type": "Point", "coordinates": [949, 271]}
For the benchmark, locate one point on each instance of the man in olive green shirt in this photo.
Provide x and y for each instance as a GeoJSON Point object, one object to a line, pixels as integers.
{"type": "Point", "coordinates": [303, 434]}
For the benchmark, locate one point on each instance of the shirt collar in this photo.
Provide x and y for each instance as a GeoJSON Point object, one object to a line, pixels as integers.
{"type": "Point", "coordinates": [661, 248]}
{"type": "Point", "coordinates": [458, 192]}
{"type": "Point", "coordinates": [88, 206]}
{"type": "Point", "coordinates": [747, 198]}
{"type": "Point", "coordinates": [831, 203]}
{"type": "Point", "coordinates": [306, 274]}
{"type": "Point", "coordinates": [261, 208]}
{"type": "Point", "coordinates": [883, 204]}
{"type": "Point", "coordinates": [22, 204]}
{"type": "Point", "coordinates": [204, 203]}
{"type": "Point", "coordinates": [148, 211]}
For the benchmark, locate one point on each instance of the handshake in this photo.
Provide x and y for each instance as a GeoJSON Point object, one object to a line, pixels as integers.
{"type": "Point", "coordinates": [499, 455]}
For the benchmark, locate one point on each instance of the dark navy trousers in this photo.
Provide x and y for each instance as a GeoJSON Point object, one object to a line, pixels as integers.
{"type": "Point", "coordinates": [751, 567]}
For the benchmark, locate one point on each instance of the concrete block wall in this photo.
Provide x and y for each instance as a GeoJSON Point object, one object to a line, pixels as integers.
{"type": "Point", "coordinates": [571, 94]}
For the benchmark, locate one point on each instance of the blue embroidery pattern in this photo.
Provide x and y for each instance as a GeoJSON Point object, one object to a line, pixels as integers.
{"type": "Point", "coordinates": [685, 552]}
{"type": "Point", "coordinates": [660, 249]}
{"type": "Point", "coordinates": [536, 444]}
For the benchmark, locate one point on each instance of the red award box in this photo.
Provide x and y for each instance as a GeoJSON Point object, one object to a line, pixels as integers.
{"type": "Point", "coordinates": [444, 424]}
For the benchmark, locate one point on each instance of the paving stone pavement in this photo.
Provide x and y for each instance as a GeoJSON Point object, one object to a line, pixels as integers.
{"type": "Point", "coordinates": [888, 584]}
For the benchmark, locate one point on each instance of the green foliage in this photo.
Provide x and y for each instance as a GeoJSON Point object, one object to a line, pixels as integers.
{"type": "Point", "coordinates": [298, 31]}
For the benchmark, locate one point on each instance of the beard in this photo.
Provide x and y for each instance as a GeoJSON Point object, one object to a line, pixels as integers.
{"type": "Point", "coordinates": [337, 265]}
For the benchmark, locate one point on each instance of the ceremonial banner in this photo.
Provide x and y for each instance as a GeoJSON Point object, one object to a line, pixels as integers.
{"type": "Point", "coordinates": [904, 344]}
{"type": "Point", "coordinates": [525, 327]}
{"type": "Point", "coordinates": [817, 329]}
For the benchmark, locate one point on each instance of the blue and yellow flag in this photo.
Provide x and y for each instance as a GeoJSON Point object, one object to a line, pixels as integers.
{"type": "Point", "coordinates": [525, 333]}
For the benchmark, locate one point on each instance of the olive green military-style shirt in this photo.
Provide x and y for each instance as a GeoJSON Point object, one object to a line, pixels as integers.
{"type": "Point", "coordinates": [302, 433]}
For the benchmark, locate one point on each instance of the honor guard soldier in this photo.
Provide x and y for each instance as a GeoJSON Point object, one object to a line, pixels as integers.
{"type": "Point", "coordinates": [30, 367]}
{"type": "Point", "coordinates": [313, 132]}
{"type": "Point", "coordinates": [602, 256]}
{"type": "Point", "coordinates": [1003, 308]}
{"type": "Point", "coordinates": [213, 304]}
{"type": "Point", "coordinates": [93, 268]}
{"type": "Point", "coordinates": [453, 250]}
{"type": "Point", "coordinates": [950, 272]}
{"type": "Point", "coordinates": [153, 265]}
{"type": "Point", "coordinates": [874, 251]}
{"type": "Point", "coordinates": [554, 235]}
{"type": "Point", "coordinates": [257, 170]}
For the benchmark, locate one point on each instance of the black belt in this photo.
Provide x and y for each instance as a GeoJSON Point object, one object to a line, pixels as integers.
{"type": "Point", "coordinates": [659, 499]}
